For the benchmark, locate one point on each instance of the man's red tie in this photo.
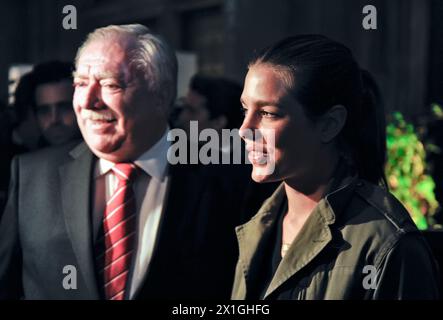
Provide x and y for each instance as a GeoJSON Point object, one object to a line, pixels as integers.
{"type": "Point", "coordinates": [116, 247]}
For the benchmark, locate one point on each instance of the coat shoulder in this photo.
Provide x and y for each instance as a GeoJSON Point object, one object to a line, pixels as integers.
{"type": "Point", "coordinates": [51, 156]}
{"type": "Point", "coordinates": [382, 204]}
{"type": "Point", "coordinates": [375, 223]}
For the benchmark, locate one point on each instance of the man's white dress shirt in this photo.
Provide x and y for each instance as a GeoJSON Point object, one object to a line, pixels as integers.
{"type": "Point", "coordinates": [150, 189]}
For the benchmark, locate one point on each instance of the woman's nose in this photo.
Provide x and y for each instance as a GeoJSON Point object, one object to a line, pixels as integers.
{"type": "Point", "coordinates": [247, 127]}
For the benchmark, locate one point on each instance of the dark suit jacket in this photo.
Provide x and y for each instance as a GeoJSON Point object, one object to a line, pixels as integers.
{"type": "Point", "coordinates": [46, 226]}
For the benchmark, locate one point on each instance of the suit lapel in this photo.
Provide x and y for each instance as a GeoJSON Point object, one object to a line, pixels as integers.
{"type": "Point", "coordinates": [174, 240]}
{"type": "Point", "coordinates": [75, 181]}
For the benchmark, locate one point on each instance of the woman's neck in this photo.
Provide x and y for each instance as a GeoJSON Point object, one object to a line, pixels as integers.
{"type": "Point", "coordinates": [303, 197]}
{"type": "Point", "coordinates": [300, 204]}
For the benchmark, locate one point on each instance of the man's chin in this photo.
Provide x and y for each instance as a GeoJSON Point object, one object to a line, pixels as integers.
{"type": "Point", "coordinates": [103, 150]}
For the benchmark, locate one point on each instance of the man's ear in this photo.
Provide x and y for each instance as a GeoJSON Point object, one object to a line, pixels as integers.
{"type": "Point", "coordinates": [332, 122]}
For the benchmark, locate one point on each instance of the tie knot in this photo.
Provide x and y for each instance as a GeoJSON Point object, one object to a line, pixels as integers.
{"type": "Point", "coordinates": [125, 171]}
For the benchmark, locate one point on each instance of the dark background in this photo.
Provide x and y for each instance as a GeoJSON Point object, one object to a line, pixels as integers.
{"type": "Point", "coordinates": [404, 53]}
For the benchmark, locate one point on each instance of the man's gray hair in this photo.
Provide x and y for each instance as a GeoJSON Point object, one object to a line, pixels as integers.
{"type": "Point", "coordinates": [151, 55]}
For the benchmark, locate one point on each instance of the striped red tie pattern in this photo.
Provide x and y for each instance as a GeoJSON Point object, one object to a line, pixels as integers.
{"type": "Point", "coordinates": [115, 247]}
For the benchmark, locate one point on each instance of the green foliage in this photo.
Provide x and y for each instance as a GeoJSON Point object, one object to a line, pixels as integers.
{"type": "Point", "coordinates": [405, 171]}
{"type": "Point", "coordinates": [437, 111]}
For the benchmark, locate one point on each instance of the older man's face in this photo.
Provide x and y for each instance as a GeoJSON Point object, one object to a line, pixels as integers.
{"type": "Point", "coordinates": [117, 114]}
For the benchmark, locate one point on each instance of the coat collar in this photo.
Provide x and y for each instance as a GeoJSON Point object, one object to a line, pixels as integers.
{"type": "Point", "coordinates": [312, 239]}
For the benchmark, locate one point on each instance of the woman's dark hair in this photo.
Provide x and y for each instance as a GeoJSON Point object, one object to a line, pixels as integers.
{"type": "Point", "coordinates": [322, 73]}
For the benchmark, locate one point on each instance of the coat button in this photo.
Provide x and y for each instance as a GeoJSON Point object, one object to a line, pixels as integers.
{"type": "Point", "coordinates": [359, 184]}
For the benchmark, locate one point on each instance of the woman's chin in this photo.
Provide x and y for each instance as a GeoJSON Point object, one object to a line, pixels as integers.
{"type": "Point", "coordinates": [260, 175]}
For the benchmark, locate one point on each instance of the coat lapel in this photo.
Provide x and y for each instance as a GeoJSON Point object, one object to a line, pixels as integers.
{"type": "Point", "coordinates": [75, 181]}
{"type": "Point", "coordinates": [312, 239]}
{"type": "Point", "coordinates": [252, 238]}
{"type": "Point", "coordinates": [316, 233]}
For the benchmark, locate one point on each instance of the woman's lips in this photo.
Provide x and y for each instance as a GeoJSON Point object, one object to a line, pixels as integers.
{"type": "Point", "coordinates": [258, 157]}
{"type": "Point", "coordinates": [259, 148]}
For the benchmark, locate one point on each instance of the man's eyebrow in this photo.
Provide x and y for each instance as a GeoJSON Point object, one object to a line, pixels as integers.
{"type": "Point", "coordinates": [101, 75]}
{"type": "Point", "coordinates": [108, 75]}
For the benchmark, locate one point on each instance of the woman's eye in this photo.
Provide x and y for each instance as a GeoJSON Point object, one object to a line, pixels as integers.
{"type": "Point", "coordinates": [111, 86]}
{"type": "Point", "coordinates": [244, 111]}
{"type": "Point", "coordinates": [266, 114]}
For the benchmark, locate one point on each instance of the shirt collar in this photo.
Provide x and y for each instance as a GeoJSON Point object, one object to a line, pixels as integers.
{"type": "Point", "coordinates": [154, 161]}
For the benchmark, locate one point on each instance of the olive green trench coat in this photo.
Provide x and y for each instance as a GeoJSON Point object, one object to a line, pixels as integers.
{"type": "Point", "coordinates": [358, 243]}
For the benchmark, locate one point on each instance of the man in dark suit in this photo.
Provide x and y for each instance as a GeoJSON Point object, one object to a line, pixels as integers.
{"type": "Point", "coordinates": [111, 219]}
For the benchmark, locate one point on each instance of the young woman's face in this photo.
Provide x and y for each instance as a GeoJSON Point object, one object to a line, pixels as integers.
{"type": "Point", "coordinates": [290, 148]}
